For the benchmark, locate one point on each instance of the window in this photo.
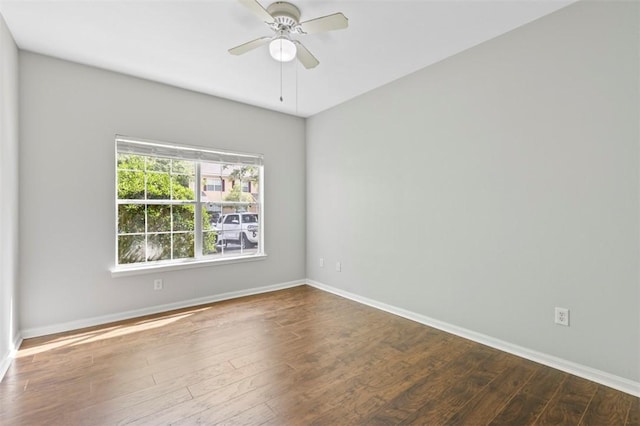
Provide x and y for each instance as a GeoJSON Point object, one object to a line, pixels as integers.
{"type": "Point", "coordinates": [214, 184]}
{"type": "Point", "coordinates": [162, 216]}
{"type": "Point", "coordinates": [246, 186]}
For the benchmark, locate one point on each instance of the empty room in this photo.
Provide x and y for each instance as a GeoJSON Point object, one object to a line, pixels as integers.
{"type": "Point", "coordinates": [324, 212]}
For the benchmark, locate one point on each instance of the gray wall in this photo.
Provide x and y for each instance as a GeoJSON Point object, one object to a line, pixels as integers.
{"type": "Point", "coordinates": [8, 193]}
{"type": "Point", "coordinates": [69, 115]}
{"type": "Point", "coordinates": [489, 188]}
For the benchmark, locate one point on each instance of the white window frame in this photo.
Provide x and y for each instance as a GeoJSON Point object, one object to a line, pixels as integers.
{"type": "Point", "coordinates": [124, 144]}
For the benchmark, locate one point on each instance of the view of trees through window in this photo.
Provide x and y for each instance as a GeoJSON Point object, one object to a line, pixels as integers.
{"type": "Point", "coordinates": [174, 209]}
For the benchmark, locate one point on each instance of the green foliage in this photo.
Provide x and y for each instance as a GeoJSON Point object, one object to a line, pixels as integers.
{"type": "Point", "coordinates": [244, 173]}
{"type": "Point", "coordinates": [152, 178]}
{"type": "Point", "coordinates": [236, 194]}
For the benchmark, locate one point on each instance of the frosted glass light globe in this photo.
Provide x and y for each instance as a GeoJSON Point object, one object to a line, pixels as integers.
{"type": "Point", "coordinates": [282, 49]}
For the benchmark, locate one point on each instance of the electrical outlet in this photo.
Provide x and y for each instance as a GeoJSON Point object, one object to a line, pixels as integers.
{"type": "Point", "coordinates": [322, 262]}
{"type": "Point", "coordinates": [157, 284]}
{"type": "Point", "coordinates": [338, 267]}
{"type": "Point", "coordinates": [562, 316]}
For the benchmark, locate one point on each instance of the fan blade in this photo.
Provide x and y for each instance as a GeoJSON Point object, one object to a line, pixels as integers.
{"type": "Point", "coordinates": [337, 21]}
{"type": "Point", "coordinates": [250, 45]}
{"type": "Point", "coordinates": [305, 57]}
{"type": "Point", "coordinates": [257, 9]}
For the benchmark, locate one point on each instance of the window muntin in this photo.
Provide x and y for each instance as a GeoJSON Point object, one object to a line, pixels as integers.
{"type": "Point", "coordinates": [163, 217]}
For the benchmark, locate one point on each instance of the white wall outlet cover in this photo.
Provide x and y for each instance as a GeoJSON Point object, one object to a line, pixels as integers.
{"type": "Point", "coordinates": [562, 316]}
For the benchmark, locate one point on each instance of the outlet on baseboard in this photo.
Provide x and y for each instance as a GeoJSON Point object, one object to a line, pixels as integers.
{"type": "Point", "coordinates": [562, 316]}
{"type": "Point", "coordinates": [157, 284]}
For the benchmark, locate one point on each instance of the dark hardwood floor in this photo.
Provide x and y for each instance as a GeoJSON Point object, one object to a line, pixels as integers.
{"type": "Point", "coordinates": [296, 356]}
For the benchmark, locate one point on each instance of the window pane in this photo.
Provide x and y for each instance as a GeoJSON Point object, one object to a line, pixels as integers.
{"type": "Point", "coordinates": [183, 167]}
{"type": "Point", "coordinates": [130, 249]}
{"type": "Point", "coordinates": [158, 218]}
{"type": "Point", "coordinates": [157, 164]}
{"type": "Point", "coordinates": [159, 247]}
{"type": "Point", "coordinates": [183, 180]}
{"type": "Point", "coordinates": [183, 218]}
{"type": "Point", "coordinates": [215, 212]}
{"type": "Point", "coordinates": [158, 186]}
{"type": "Point", "coordinates": [131, 162]}
{"type": "Point", "coordinates": [130, 185]}
{"type": "Point", "coordinates": [182, 187]}
{"type": "Point", "coordinates": [183, 245]}
{"type": "Point", "coordinates": [207, 219]}
{"type": "Point", "coordinates": [232, 170]}
{"type": "Point", "coordinates": [130, 218]}
{"type": "Point", "coordinates": [209, 239]}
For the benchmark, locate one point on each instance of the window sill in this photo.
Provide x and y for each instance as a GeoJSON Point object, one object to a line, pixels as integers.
{"type": "Point", "coordinates": [140, 270]}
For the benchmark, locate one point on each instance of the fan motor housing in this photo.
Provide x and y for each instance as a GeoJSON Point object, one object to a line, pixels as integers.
{"type": "Point", "coordinates": [284, 13]}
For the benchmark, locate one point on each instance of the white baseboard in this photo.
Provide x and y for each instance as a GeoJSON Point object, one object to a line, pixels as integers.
{"type": "Point", "coordinates": [604, 378]}
{"type": "Point", "coordinates": [6, 361]}
{"type": "Point", "coordinates": [105, 319]}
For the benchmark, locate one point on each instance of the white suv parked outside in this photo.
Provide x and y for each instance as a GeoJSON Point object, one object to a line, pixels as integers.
{"type": "Point", "coordinates": [239, 228]}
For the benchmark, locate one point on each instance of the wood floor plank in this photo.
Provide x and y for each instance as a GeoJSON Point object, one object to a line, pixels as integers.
{"type": "Point", "coordinates": [405, 405]}
{"type": "Point", "coordinates": [224, 402]}
{"type": "Point", "coordinates": [316, 386]}
{"type": "Point", "coordinates": [53, 415]}
{"type": "Point", "coordinates": [245, 377]}
{"type": "Point", "coordinates": [292, 357]}
{"type": "Point", "coordinates": [138, 411]}
{"type": "Point", "coordinates": [235, 407]}
{"type": "Point", "coordinates": [569, 403]}
{"type": "Point", "coordinates": [372, 388]}
{"type": "Point", "coordinates": [119, 402]}
{"type": "Point", "coordinates": [256, 415]}
{"type": "Point", "coordinates": [608, 407]}
{"type": "Point", "coordinates": [525, 407]}
{"type": "Point", "coordinates": [633, 418]}
{"type": "Point", "coordinates": [315, 340]}
{"type": "Point", "coordinates": [103, 389]}
{"type": "Point", "coordinates": [125, 410]}
{"type": "Point", "coordinates": [202, 343]}
{"type": "Point", "coordinates": [487, 403]}
{"type": "Point", "coordinates": [456, 395]}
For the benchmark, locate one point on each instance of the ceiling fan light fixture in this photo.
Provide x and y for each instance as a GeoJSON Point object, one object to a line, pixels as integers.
{"type": "Point", "coordinates": [282, 49]}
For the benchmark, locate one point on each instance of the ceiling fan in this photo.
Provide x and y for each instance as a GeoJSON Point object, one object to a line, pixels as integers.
{"type": "Point", "coordinates": [284, 19]}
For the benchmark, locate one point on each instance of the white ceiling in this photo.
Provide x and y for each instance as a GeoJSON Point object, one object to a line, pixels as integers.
{"type": "Point", "coordinates": [184, 43]}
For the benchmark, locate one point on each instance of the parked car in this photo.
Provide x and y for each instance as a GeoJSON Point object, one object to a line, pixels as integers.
{"type": "Point", "coordinates": [238, 228]}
